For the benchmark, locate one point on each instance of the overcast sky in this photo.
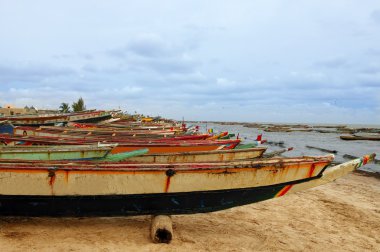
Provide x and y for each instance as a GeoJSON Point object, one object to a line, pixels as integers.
{"type": "Point", "coordinates": [266, 61]}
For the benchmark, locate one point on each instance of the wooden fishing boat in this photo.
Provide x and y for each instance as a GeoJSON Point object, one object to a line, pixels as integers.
{"type": "Point", "coordinates": [56, 188]}
{"type": "Point", "coordinates": [125, 145]}
{"type": "Point", "coordinates": [361, 137]}
{"type": "Point", "coordinates": [66, 131]}
{"type": "Point", "coordinates": [91, 139]}
{"type": "Point", "coordinates": [91, 116]}
{"type": "Point", "coordinates": [185, 146]}
{"type": "Point", "coordinates": [99, 134]}
{"type": "Point", "coordinates": [35, 120]}
{"type": "Point", "coordinates": [9, 140]}
{"type": "Point", "coordinates": [74, 152]}
{"type": "Point", "coordinates": [40, 120]}
{"type": "Point", "coordinates": [200, 156]}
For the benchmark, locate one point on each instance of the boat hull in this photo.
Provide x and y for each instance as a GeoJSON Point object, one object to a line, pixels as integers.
{"type": "Point", "coordinates": [118, 189]}
{"type": "Point", "coordinates": [54, 153]}
{"type": "Point", "coordinates": [140, 204]}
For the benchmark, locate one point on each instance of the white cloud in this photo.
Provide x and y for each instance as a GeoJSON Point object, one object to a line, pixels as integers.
{"type": "Point", "coordinates": [217, 60]}
{"type": "Point", "coordinates": [223, 82]}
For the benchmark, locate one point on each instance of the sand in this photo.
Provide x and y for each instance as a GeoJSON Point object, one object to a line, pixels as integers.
{"type": "Point", "coordinates": [339, 216]}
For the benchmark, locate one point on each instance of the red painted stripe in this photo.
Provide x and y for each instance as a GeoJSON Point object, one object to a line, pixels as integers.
{"type": "Point", "coordinates": [284, 190]}
{"type": "Point", "coordinates": [312, 168]}
{"type": "Point", "coordinates": [365, 160]}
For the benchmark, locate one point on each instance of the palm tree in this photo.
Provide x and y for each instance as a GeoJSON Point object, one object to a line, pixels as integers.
{"type": "Point", "coordinates": [79, 105]}
{"type": "Point", "coordinates": [64, 108]}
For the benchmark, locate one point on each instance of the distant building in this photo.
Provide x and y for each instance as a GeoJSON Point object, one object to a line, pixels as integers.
{"type": "Point", "coordinates": [9, 110]}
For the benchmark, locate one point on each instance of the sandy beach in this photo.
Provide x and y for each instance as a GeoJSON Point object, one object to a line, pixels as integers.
{"type": "Point", "coordinates": [339, 216]}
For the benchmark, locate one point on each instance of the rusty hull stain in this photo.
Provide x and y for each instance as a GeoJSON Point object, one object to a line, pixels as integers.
{"type": "Point", "coordinates": [51, 176]}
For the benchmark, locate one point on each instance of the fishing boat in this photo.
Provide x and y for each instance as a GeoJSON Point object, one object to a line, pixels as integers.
{"type": "Point", "coordinates": [35, 120]}
{"type": "Point", "coordinates": [58, 188]}
{"type": "Point", "coordinates": [104, 134]}
{"type": "Point", "coordinates": [53, 119]}
{"type": "Point", "coordinates": [371, 137]}
{"type": "Point", "coordinates": [91, 116]}
{"type": "Point", "coordinates": [64, 152]}
{"type": "Point", "coordinates": [124, 145]}
{"type": "Point", "coordinates": [182, 146]}
{"type": "Point", "coordinates": [200, 156]}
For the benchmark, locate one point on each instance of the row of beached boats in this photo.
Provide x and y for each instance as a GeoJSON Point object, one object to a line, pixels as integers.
{"type": "Point", "coordinates": [53, 119]}
{"type": "Point", "coordinates": [128, 168]}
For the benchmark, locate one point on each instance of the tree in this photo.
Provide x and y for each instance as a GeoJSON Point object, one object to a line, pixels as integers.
{"type": "Point", "coordinates": [64, 108]}
{"type": "Point", "coordinates": [79, 105]}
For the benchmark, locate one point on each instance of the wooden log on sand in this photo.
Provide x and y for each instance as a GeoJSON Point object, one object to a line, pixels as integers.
{"type": "Point", "coordinates": [280, 143]}
{"type": "Point", "coordinates": [276, 153]}
{"type": "Point", "coordinates": [161, 230]}
{"type": "Point", "coordinates": [322, 149]}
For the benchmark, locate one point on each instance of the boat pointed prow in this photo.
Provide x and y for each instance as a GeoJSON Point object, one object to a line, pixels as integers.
{"type": "Point", "coordinates": [337, 171]}
{"type": "Point", "coordinates": [330, 174]}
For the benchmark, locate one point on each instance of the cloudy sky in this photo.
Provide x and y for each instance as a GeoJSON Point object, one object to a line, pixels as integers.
{"type": "Point", "coordinates": [266, 61]}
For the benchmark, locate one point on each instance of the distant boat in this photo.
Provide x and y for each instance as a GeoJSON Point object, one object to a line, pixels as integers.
{"type": "Point", "coordinates": [50, 120]}
{"type": "Point", "coordinates": [361, 137]}
{"type": "Point", "coordinates": [35, 120]}
{"type": "Point", "coordinates": [91, 116]}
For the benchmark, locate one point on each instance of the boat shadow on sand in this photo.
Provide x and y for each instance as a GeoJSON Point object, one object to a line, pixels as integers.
{"type": "Point", "coordinates": [76, 228]}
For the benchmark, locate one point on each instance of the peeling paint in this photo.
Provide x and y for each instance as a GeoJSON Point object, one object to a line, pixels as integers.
{"type": "Point", "coordinates": [67, 177]}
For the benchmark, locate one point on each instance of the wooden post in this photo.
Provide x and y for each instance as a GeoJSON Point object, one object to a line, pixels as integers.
{"type": "Point", "coordinates": [161, 230]}
{"type": "Point", "coordinates": [321, 149]}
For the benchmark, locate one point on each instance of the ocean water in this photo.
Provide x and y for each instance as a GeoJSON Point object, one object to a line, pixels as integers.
{"type": "Point", "coordinates": [299, 140]}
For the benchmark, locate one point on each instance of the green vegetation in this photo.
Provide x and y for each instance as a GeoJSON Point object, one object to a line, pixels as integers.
{"type": "Point", "coordinates": [76, 106]}
{"type": "Point", "coordinates": [79, 105]}
{"type": "Point", "coordinates": [64, 108]}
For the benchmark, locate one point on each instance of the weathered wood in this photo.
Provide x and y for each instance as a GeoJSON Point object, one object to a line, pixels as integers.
{"type": "Point", "coordinates": [62, 152]}
{"type": "Point", "coordinates": [161, 230]}
{"type": "Point", "coordinates": [322, 149]}
{"type": "Point", "coordinates": [200, 156]}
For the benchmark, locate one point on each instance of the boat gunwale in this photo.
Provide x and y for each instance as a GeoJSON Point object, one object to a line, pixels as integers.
{"type": "Point", "coordinates": [143, 167]}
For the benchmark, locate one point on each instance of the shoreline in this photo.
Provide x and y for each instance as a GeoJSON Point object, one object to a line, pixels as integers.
{"type": "Point", "coordinates": [317, 125]}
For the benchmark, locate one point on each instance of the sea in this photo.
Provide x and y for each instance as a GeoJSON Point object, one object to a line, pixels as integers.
{"type": "Point", "coordinates": [299, 140]}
